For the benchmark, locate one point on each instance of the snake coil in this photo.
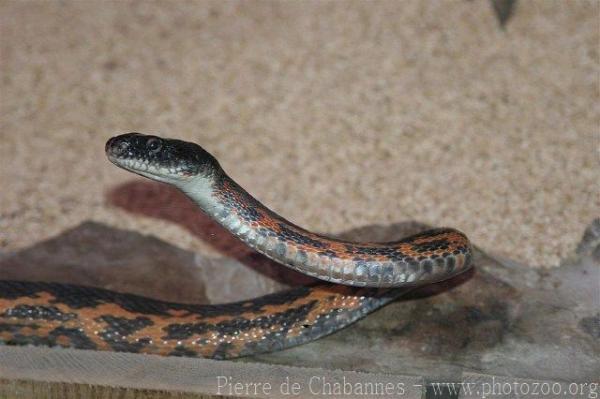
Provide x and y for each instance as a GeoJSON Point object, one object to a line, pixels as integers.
{"type": "Point", "coordinates": [367, 275]}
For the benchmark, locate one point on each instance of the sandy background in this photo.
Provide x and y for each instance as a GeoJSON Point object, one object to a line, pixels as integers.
{"type": "Point", "coordinates": [335, 114]}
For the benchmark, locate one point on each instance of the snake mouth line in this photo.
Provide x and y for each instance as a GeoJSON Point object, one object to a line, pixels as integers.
{"type": "Point", "coordinates": [145, 168]}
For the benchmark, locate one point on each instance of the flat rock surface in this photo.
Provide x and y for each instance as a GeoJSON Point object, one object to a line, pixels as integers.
{"type": "Point", "coordinates": [503, 318]}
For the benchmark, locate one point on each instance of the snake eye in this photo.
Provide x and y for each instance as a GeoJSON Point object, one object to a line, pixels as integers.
{"type": "Point", "coordinates": [154, 144]}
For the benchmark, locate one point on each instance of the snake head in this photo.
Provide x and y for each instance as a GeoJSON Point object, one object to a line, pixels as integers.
{"type": "Point", "coordinates": [167, 160]}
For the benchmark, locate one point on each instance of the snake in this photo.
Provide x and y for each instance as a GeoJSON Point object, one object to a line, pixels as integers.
{"type": "Point", "coordinates": [354, 278]}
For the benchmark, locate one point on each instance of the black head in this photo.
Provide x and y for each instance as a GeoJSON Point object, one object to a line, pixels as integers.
{"type": "Point", "coordinates": [167, 160]}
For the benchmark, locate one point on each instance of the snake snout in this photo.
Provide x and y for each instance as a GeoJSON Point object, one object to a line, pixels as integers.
{"type": "Point", "coordinates": [120, 146]}
{"type": "Point", "coordinates": [116, 146]}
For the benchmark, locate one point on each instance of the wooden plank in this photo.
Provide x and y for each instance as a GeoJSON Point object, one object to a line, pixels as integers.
{"type": "Point", "coordinates": [27, 389]}
{"type": "Point", "coordinates": [199, 376]}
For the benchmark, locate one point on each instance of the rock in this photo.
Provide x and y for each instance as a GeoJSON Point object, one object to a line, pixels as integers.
{"type": "Point", "coordinates": [503, 318]}
{"type": "Point", "coordinates": [506, 319]}
{"type": "Point", "coordinates": [100, 256]}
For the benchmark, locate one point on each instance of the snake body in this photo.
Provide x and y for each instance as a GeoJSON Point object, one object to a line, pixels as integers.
{"type": "Point", "coordinates": [367, 276]}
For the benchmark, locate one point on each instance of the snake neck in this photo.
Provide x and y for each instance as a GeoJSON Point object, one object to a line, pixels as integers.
{"type": "Point", "coordinates": [221, 198]}
{"type": "Point", "coordinates": [202, 191]}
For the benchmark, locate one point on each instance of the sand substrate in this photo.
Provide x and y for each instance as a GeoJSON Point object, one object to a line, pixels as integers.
{"type": "Point", "coordinates": [335, 114]}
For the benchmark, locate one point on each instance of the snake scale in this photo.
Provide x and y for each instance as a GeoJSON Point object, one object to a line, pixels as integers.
{"type": "Point", "coordinates": [359, 277]}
